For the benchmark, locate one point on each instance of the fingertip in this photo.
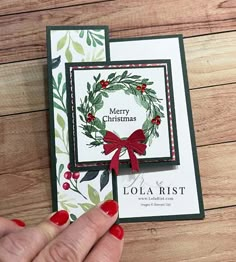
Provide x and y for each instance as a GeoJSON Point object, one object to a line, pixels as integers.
{"type": "Point", "coordinates": [19, 222]}
{"type": "Point", "coordinates": [60, 218]}
{"type": "Point", "coordinates": [117, 231]}
{"type": "Point", "coordinates": [110, 207]}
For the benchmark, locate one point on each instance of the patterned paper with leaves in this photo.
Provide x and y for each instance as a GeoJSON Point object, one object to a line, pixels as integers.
{"type": "Point", "coordinates": [77, 192]}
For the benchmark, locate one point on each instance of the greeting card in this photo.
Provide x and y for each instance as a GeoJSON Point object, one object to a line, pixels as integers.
{"type": "Point", "coordinates": [124, 106]}
{"type": "Point", "coordinates": [121, 112]}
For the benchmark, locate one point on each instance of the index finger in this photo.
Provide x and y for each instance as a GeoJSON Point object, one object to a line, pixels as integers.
{"type": "Point", "coordinates": [75, 242]}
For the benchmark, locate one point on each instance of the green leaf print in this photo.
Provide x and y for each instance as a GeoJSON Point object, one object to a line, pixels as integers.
{"type": "Point", "coordinates": [61, 121]}
{"type": "Point", "coordinates": [68, 55]}
{"type": "Point", "coordinates": [61, 43]}
{"type": "Point", "coordinates": [93, 195]}
{"type": "Point", "coordinates": [78, 47]}
{"type": "Point", "coordinates": [108, 196]}
{"type": "Point", "coordinates": [86, 206]}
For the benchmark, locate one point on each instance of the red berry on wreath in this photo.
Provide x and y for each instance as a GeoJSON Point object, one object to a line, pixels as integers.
{"type": "Point", "coordinates": [67, 175]}
{"type": "Point", "coordinates": [153, 121]}
{"type": "Point", "coordinates": [66, 186]}
{"type": "Point", "coordinates": [143, 88]}
{"type": "Point", "coordinates": [104, 83]}
{"type": "Point", "coordinates": [90, 117]}
{"type": "Point", "coordinates": [76, 175]}
{"type": "Point", "coordinates": [156, 120]}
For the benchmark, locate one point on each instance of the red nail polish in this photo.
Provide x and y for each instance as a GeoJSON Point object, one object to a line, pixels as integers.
{"type": "Point", "coordinates": [117, 231]}
{"type": "Point", "coordinates": [110, 207]}
{"type": "Point", "coordinates": [60, 218]}
{"type": "Point", "coordinates": [19, 222]}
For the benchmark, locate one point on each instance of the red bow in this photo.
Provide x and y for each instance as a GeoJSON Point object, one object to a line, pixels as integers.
{"type": "Point", "coordinates": [133, 144]}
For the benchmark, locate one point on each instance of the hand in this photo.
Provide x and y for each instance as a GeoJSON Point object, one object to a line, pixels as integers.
{"type": "Point", "coordinates": [92, 238]}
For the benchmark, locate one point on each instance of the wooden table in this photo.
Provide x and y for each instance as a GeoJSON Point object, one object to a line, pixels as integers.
{"type": "Point", "coordinates": [209, 28]}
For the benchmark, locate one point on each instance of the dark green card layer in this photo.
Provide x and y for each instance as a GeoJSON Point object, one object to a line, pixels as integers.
{"type": "Point", "coordinates": [75, 166]}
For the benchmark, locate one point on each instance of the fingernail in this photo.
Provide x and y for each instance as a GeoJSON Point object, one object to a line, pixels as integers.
{"type": "Point", "coordinates": [60, 218]}
{"type": "Point", "coordinates": [110, 207]}
{"type": "Point", "coordinates": [117, 231]}
{"type": "Point", "coordinates": [19, 222]}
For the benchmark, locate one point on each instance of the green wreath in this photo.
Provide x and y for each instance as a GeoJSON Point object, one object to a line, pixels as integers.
{"type": "Point", "coordinates": [134, 85]}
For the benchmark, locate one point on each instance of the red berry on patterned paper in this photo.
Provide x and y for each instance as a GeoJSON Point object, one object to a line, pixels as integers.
{"type": "Point", "coordinates": [139, 88]}
{"type": "Point", "coordinates": [67, 175]}
{"type": "Point", "coordinates": [76, 175]}
{"type": "Point", "coordinates": [68, 166]}
{"type": "Point", "coordinates": [144, 86]}
{"type": "Point", "coordinates": [106, 83]}
{"type": "Point", "coordinates": [66, 186]}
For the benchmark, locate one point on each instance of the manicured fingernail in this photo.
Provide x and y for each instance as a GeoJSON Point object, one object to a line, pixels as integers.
{"type": "Point", "coordinates": [60, 218]}
{"type": "Point", "coordinates": [110, 207]}
{"type": "Point", "coordinates": [19, 222]}
{"type": "Point", "coordinates": [117, 231]}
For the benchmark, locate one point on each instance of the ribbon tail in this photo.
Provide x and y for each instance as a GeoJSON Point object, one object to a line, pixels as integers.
{"type": "Point", "coordinates": [133, 160]}
{"type": "Point", "coordinates": [115, 161]}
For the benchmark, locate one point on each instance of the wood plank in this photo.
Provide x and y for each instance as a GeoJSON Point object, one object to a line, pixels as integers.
{"type": "Point", "coordinates": [15, 6]}
{"type": "Point", "coordinates": [30, 77]}
{"type": "Point", "coordinates": [211, 59]}
{"type": "Point", "coordinates": [23, 35]}
{"type": "Point", "coordinates": [24, 142]}
{"type": "Point", "coordinates": [217, 170]}
{"type": "Point", "coordinates": [23, 87]}
{"type": "Point", "coordinates": [16, 156]}
{"type": "Point", "coordinates": [210, 240]}
{"type": "Point", "coordinates": [214, 114]}
{"type": "Point", "coordinates": [26, 195]}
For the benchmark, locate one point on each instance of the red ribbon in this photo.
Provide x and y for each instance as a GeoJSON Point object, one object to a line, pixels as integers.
{"type": "Point", "coordinates": [133, 144]}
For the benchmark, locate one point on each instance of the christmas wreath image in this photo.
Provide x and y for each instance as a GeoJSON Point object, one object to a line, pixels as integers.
{"type": "Point", "coordinates": [95, 128]}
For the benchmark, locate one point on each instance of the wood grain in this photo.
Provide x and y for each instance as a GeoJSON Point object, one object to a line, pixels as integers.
{"type": "Point", "coordinates": [24, 142]}
{"type": "Point", "coordinates": [23, 35]}
{"type": "Point", "coordinates": [15, 6]}
{"type": "Point", "coordinates": [210, 240]}
{"type": "Point", "coordinates": [217, 170]}
{"type": "Point", "coordinates": [25, 138]}
{"type": "Point", "coordinates": [23, 87]}
{"type": "Point", "coordinates": [210, 60]}
{"type": "Point", "coordinates": [214, 114]}
{"type": "Point", "coordinates": [26, 195]}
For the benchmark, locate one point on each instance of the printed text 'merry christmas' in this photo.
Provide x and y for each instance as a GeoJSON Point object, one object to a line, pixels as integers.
{"type": "Point", "coordinates": [119, 111]}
